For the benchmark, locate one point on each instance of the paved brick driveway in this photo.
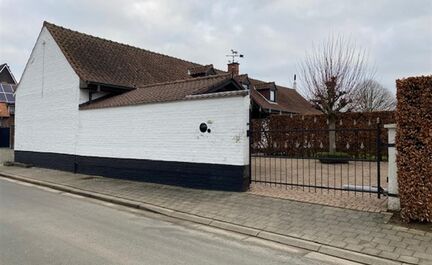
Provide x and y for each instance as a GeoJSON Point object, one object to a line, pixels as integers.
{"type": "Point", "coordinates": [301, 174]}
{"type": "Point", "coordinates": [359, 201]}
{"type": "Point", "coordinates": [311, 172]}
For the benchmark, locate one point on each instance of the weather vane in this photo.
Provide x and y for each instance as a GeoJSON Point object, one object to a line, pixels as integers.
{"type": "Point", "coordinates": [234, 54]}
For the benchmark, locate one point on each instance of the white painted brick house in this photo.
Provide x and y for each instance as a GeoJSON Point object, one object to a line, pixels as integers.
{"type": "Point", "coordinates": [94, 106]}
{"type": "Point", "coordinates": [76, 115]}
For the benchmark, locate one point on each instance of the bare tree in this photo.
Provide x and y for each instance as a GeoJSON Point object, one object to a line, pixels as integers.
{"type": "Point", "coordinates": [331, 75]}
{"type": "Point", "coordinates": [372, 96]}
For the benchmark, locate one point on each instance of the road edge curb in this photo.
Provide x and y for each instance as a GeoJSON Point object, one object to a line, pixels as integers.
{"type": "Point", "coordinates": [262, 234]}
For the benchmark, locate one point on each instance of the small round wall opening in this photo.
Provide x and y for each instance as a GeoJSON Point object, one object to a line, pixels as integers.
{"type": "Point", "coordinates": [203, 127]}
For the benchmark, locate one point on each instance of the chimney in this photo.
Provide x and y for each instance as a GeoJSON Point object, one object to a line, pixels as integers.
{"type": "Point", "coordinates": [234, 68]}
{"type": "Point", "coordinates": [295, 82]}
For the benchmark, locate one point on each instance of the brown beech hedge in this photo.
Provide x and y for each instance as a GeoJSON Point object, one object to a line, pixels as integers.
{"type": "Point", "coordinates": [414, 147]}
{"type": "Point", "coordinates": [319, 139]}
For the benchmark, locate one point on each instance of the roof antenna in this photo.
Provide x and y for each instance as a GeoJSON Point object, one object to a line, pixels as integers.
{"type": "Point", "coordinates": [234, 54]}
{"type": "Point", "coordinates": [295, 82]}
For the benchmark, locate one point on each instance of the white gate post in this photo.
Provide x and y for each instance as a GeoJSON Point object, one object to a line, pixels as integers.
{"type": "Point", "coordinates": [393, 193]}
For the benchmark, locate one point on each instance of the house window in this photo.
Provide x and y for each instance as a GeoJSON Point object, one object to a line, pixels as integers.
{"type": "Point", "coordinates": [272, 96]}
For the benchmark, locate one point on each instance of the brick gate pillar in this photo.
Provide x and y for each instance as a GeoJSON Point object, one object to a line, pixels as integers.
{"type": "Point", "coordinates": [393, 193]}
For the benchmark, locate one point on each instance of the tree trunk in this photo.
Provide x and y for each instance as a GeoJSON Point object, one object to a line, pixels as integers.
{"type": "Point", "coordinates": [332, 135]}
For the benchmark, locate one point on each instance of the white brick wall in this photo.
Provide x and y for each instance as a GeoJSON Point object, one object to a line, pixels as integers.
{"type": "Point", "coordinates": [169, 131]}
{"type": "Point", "coordinates": [47, 101]}
{"type": "Point", "coordinates": [48, 119]}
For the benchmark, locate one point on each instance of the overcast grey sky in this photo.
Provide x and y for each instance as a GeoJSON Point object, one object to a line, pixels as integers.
{"type": "Point", "coordinates": [273, 35]}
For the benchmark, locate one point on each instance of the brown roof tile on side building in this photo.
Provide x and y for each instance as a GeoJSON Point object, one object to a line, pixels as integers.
{"type": "Point", "coordinates": [105, 62]}
{"type": "Point", "coordinates": [292, 101]}
{"type": "Point", "coordinates": [202, 70]}
{"type": "Point", "coordinates": [287, 99]}
{"type": "Point", "coordinates": [264, 85]}
{"type": "Point", "coordinates": [168, 91]}
{"type": "Point", "coordinates": [259, 99]}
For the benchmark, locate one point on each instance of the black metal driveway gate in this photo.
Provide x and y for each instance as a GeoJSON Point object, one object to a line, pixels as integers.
{"type": "Point", "coordinates": [300, 159]}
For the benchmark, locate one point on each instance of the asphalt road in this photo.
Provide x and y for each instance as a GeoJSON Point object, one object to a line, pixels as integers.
{"type": "Point", "coordinates": [43, 226]}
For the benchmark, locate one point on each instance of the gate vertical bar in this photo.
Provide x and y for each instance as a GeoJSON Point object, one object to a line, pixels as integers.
{"type": "Point", "coordinates": [250, 134]}
{"type": "Point", "coordinates": [378, 158]}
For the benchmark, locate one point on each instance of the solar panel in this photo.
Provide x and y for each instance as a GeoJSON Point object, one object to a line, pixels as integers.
{"type": "Point", "coordinates": [7, 88]}
{"type": "Point", "coordinates": [10, 98]}
{"type": "Point", "coordinates": [6, 93]}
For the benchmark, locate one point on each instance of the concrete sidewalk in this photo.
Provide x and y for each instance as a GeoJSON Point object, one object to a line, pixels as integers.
{"type": "Point", "coordinates": [359, 236]}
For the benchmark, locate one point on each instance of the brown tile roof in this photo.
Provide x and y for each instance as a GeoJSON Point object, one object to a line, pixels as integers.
{"type": "Point", "coordinates": [219, 94]}
{"type": "Point", "coordinates": [243, 78]}
{"type": "Point", "coordinates": [162, 92]}
{"type": "Point", "coordinates": [292, 101]}
{"type": "Point", "coordinates": [259, 99]}
{"type": "Point", "coordinates": [202, 70]}
{"type": "Point", "coordinates": [107, 62]}
{"type": "Point", "coordinates": [287, 99]}
{"type": "Point", "coordinates": [264, 85]}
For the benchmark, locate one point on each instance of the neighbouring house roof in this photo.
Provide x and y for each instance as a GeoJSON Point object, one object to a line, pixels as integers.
{"type": "Point", "coordinates": [4, 111]}
{"type": "Point", "coordinates": [167, 91]}
{"type": "Point", "coordinates": [6, 75]}
{"type": "Point", "coordinates": [264, 85]}
{"type": "Point", "coordinates": [100, 61]}
{"type": "Point", "coordinates": [292, 101]}
{"type": "Point", "coordinates": [287, 99]}
{"type": "Point", "coordinates": [259, 99]}
{"type": "Point", "coordinates": [7, 93]}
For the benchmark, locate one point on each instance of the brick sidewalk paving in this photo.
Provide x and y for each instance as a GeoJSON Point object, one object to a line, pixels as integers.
{"type": "Point", "coordinates": [364, 232]}
{"type": "Point", "coordinates": [350, 200]}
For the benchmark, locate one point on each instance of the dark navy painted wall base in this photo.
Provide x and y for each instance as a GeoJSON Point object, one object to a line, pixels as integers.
{"type": "Point", "coordinates": [193, 175]}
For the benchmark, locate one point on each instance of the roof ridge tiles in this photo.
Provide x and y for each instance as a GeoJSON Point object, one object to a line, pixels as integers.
{"type": "Point", "coordinates": [205, 65]}
{"type": "Point", "coordinates": [186, 80]}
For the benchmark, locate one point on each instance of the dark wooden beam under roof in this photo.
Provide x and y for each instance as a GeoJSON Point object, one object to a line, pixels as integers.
{"type": "Point", "coordinates": [93, 86]}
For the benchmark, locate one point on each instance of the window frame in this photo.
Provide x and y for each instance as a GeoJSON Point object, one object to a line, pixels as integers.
{"type": "Point", "coordinates": [272, 93]}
